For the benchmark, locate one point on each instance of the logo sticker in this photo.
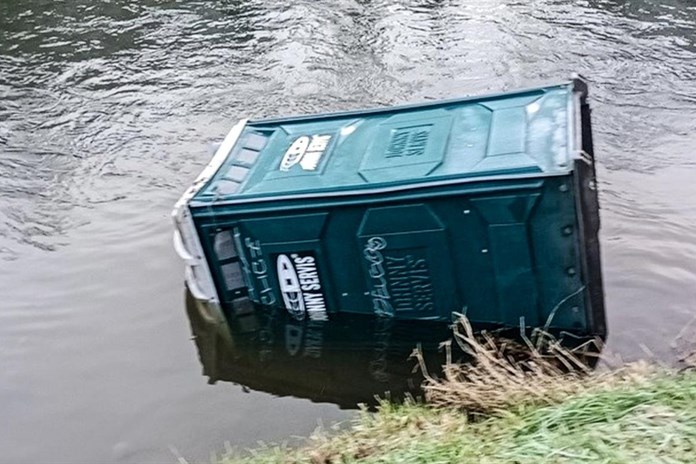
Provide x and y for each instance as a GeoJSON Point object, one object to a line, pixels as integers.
{"type": "Point", "coordinates": [298, 278]}
{"type": "Point", "coordinates": [305, 151]}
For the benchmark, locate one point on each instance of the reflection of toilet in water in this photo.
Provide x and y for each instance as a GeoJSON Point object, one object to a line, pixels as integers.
{"type": "Point", "coordinates": [346, 361]}
{"type": "Point", "coordinates": [293, 339]}
{"type": "Point", "coordinates": [305, 338]}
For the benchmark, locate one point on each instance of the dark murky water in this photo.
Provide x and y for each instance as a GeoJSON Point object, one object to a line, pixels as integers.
{"type": "Point", "coordinates": [106, 110]}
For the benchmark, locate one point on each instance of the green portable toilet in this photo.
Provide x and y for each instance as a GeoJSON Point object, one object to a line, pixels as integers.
{"type": "Point", "coordinates": [485, 206]}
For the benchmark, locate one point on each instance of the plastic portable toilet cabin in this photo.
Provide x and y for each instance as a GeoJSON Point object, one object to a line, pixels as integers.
{"type": "Point", "coordinates": [483, 205]}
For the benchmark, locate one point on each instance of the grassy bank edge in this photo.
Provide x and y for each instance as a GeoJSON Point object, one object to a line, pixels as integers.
{"type": "Point", "coordinates": [534, 401]}
{"type": "Point", "coordinates": [649, 417]}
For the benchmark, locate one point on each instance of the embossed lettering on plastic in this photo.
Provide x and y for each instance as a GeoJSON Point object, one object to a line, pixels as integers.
{"type": "Point", "coordinates": [305, 151]}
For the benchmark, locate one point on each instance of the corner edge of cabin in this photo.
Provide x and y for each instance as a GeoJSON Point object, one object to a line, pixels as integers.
{"type": "Point", "coordinates": [186, 241]}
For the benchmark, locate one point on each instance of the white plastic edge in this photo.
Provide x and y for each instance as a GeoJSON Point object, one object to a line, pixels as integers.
{"type": "Point", "coordinates": [575, 124]}
{"type": "Point", "coordinates": [212, 167]}
{"type": "Point", "coordinates": [186, 241]}
{"type": "Point", "coordinates": [181, 250]}
{"type": "Point", "coordinates": [191, 281]}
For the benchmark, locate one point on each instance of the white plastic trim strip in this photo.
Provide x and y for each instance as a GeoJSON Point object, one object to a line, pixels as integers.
{"type": "Point", "coordinates": [192, 283]}
{"type": "Point", "coordinates": [181, 250]}
{"type": "Point", "coordinates": [212, 167]}
{"type": "Point", "coordinates": [198, 277]}
{"type": "Point", "coordinates": [186, 241]}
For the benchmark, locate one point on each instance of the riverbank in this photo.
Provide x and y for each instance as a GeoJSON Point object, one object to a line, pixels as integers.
{"type": "Point", "coordinates": [651, 420]}
{"type": "Point", "coordinates": [537, 408]}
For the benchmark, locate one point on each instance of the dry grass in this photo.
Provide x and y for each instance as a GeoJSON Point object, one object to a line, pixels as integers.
{"type": "Point", "coordinates": [506, 373]}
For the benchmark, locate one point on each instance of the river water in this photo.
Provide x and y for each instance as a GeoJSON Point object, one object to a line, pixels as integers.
{"type": "Point", "coordinates": [107, 112]}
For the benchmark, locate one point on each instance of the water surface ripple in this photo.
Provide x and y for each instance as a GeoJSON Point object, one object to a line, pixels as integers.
{"type": "Point", "coordinates": [107, 109]}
